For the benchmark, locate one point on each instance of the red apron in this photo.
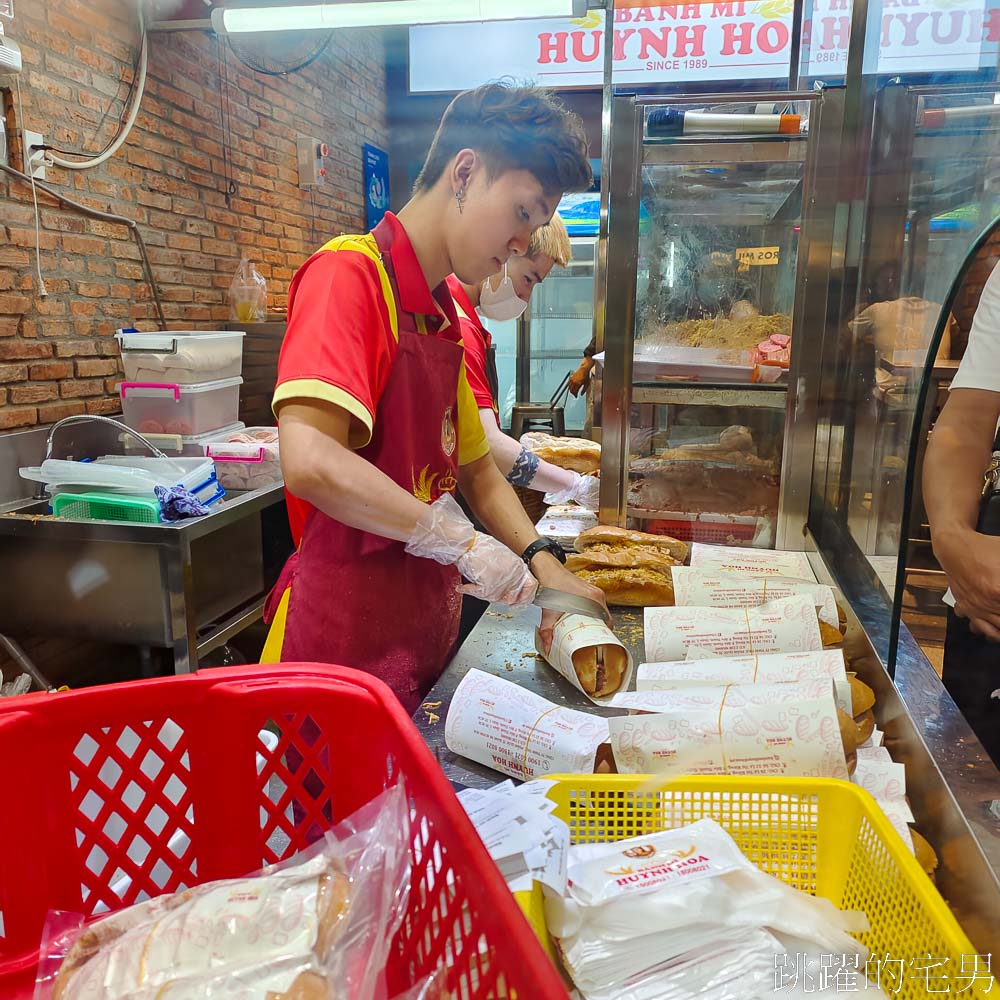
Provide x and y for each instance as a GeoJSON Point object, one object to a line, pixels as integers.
{"type": "Point", "coordinates": [357, 599]}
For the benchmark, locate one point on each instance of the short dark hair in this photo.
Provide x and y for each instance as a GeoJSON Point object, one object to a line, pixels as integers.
{"type": "Point", "coordinates": [512, 128]}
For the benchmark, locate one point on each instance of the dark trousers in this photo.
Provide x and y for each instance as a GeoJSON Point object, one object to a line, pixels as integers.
{"type": "Point", "coordinates": [971, 674]}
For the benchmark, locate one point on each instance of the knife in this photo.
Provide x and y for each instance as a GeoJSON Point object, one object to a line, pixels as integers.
{"type": "Point", "coordinates": [571, 604]}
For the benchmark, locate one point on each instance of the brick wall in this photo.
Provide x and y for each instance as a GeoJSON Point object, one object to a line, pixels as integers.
{"type": "Point", "coordinates": [57, 354]}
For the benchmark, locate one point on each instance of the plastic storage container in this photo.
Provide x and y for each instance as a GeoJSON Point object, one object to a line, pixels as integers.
{"type": "Point", "coordinates": [172, 408]}
{"type": "Point", "coordinates": [822, 836]}
{"type": "Point", "coordinates": [132, 790]}
{"type": "Point", "coordinates": [245, 465]}
{"type": "Point", "coordinates": [182, 445]}
{"type": "Point", "coordinates": [130, 475]}
{"type": "Point", "coordinates": [184, 357]}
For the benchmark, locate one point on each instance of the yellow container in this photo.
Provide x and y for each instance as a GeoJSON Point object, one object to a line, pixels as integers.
{"type": "Point", "coordinates": [823, 836]}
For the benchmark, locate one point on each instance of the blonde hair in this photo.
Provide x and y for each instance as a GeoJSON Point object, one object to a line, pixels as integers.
{"type": "Point", "coordinates": [552, 240]}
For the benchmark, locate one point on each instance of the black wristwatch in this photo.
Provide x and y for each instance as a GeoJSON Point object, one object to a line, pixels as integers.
{"type": "Point", "coordinates": [543, 545]}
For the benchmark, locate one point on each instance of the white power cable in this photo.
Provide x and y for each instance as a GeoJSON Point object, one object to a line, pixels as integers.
{"type": "Point", "coordinates": [117, 144]}
{"type": "Point", "coordinates": [29, 163]}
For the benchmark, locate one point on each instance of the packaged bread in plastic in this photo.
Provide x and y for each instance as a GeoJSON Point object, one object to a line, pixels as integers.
{"type": "Point", "coordinates": [316, 926]}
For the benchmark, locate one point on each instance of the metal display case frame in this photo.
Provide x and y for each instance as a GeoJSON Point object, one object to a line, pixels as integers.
{"type": "Point", "coordinates": [615, 309]}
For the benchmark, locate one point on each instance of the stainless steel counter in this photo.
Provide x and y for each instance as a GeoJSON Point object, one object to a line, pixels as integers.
{"type": "Point", "coordinates": [951, 790]}
{"type": "Point", "coordinates": [186, 586]}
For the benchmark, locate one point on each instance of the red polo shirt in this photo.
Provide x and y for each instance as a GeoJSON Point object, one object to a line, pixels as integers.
{"type": "Point", "coordinates": [477, 341]}
{"type": "Point", "coordinates": [339, 345]}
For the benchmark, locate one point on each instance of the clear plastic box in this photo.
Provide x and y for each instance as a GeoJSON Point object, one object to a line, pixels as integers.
{"type": "Point", "coordinates": [172, 408]}
{"type": "Point", "coordinates": [184, 357]}
{"type": "Point", "coordinates": [182, 445]}
{"type": "Point", "coordinates": [245, 465]}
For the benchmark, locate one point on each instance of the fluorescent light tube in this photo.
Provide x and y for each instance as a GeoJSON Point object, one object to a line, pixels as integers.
{"type": "Point", "coordinates": [374, 13]}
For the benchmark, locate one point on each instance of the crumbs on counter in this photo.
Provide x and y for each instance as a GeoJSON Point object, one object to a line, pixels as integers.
{"type": "Point", "coordinates": [530, 656]}
{"type": "Point", "coordinates": [431, 704]}
{"type": "Point", "coordinates": [432, 717]}
{"type": "Point", "coordinates": [499, 614]}
{"type": "Point", "coordinates": [508, 666]}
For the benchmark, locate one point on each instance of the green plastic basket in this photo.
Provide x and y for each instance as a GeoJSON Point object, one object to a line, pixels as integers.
{"type": "Point", "coordinates": [106, 507]}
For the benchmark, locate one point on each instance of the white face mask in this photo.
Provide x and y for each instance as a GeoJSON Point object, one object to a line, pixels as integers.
{"type": "Point", "coordinates": [504, 303]}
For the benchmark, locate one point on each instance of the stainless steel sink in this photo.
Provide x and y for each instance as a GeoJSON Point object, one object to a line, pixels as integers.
{"type": "Point", "coordinates": [185, 586]}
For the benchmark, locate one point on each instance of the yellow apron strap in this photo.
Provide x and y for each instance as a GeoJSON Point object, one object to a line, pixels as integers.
{"type": "Point", "coordinates": [366, 244]}
{"type": "Point", "coordinates": [276, 634]}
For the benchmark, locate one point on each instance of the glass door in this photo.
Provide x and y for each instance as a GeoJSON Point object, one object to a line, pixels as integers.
{"type": "Point", "coordinates": [555, 330]}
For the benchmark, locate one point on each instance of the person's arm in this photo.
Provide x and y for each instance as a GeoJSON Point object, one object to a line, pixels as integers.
{"type": "Point", "coordinates": [320, 468]}
{"type": "Point", "coordinates": [957, 456]}
{"type": "Point", "coordinates": [532, 472]}
{"type": "Point", "coordinates": [497, 507]}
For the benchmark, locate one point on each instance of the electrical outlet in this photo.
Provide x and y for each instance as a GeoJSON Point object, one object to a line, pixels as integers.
{"type": "Point", "coordinates": [32, 140]}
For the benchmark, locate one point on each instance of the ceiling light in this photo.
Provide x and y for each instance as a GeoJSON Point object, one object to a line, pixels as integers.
{"type": "Point", "coordinates": [373, 13]}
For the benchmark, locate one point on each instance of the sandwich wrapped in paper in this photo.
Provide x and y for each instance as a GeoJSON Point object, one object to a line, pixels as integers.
{"type": "Point", "coordinates": [765, 729]}
{"type": "Point", "coordinates": [702, 588]}
{"type": "Point", "coordinates": [588, 654]}
{"type": "Point", "coordinates": [751, 562]}
{"type": "Point", "coordinates": [785, 626]}
{"type": "Point", "coordinates": [765, 668]}
{"type": "Point", "coordinates": [497, 723]}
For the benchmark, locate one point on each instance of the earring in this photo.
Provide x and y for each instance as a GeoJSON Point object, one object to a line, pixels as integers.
{"type": "Point", "coordinates": [460, 198]}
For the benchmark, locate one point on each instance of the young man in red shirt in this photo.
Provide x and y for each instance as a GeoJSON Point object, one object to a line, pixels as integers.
{"type": "Point", "coordinates": [377, 423]}
{"type": "Point", "coordinates": [504, 296]}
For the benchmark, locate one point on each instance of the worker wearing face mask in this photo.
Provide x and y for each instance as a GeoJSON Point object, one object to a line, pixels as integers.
{"type": "Point", "coordinates": [503, 297]}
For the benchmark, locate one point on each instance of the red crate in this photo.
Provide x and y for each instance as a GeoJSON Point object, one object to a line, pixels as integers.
{"type": "Point", "coordinates": [115, 794]}
{"type": "Point", "coordinates": [709, 532]}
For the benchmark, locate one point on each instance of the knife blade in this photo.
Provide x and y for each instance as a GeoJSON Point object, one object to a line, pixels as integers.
{"type": "Point", "coordinates": [571, 604]}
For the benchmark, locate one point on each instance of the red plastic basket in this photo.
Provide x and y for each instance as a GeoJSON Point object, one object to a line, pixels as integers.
{"type": "Point", "coordinates": [114, 794]}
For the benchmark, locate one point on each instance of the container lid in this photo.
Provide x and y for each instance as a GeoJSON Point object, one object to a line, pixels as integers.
{"type": "Point", "coordinates": [179, 441]}
{"type": "Point", "coordinates": [137, 388]}
{"type": "Point", "coordinates": [125, 335]}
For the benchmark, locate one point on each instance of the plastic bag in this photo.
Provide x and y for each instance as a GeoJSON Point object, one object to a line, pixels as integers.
{"type": "Point", "coordinates": [248, 294]}
{"type": "Point", "coordinates": [317, 926]}
{"type": "Point", "coordinates": [683, 914]}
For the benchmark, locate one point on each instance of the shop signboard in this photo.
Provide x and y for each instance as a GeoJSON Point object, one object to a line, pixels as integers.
{"type": "Point", "coordinates": [690, 42]}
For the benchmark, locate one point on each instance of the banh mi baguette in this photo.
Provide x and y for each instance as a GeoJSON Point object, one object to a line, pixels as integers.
{"type": "Point", "coordinates": [600, 679]}
{"type": "Point", "coordinates": [111, 943]}
{"type": "Point", "coordinates": [640, 587]}
{"type": "Point", "coordinates": [924, 853]}
{"type": "Point", "coordinates": [605, 534]}
{"type": "Point", "coordinates": [865, 724]}
{"type": "Point", "coordinates": [849, 735]}
{"type": "Point", "coordinates": [831, 636]}
{"type": "Point", "coordinates": [572, 457]}
{"type": "Point", "coordinates": [614, 556]}
{"type": "Point", "coordinates": [862, 696]}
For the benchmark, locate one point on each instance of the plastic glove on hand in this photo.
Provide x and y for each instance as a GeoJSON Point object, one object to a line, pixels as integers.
{"type": "Point", "coordinates": [444, 534]}
{"type": "Point", "coordinates": [585, 491]}
{"type": "Point", "coordinates": [494, 573]}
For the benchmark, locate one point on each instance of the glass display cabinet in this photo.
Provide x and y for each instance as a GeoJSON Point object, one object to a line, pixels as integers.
{"type": "Point", "coordinates": [932, 185]}
{"type": "Point", "coordinates": [718, 261]}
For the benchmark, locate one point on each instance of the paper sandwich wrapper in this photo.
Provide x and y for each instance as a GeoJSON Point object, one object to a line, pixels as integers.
{"type": "Point", "coordinates": [750, 561]}
{"type": "Point", "coordinates": [703, 588]}
{"type": "Point", "coordinates": [762, 729]}
{"type": "Point", "coordinates": [784, 626]}
{"type": "Point", "coordinates": [573, 633]}
{"type": "Point", "coordinates": [500, 724]}
{"type": "Point", "coordinates": [765, 668]}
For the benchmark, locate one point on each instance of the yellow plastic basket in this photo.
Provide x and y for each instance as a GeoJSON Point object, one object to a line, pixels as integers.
{"type": "Point", "coordinates": [823, 836]}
